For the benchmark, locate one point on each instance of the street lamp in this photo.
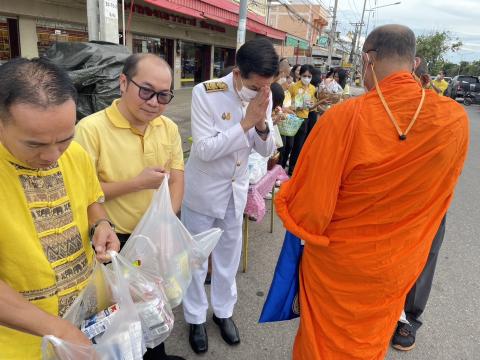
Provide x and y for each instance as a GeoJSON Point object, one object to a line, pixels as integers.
{"type": "Point", "coordinates": [375, 8]}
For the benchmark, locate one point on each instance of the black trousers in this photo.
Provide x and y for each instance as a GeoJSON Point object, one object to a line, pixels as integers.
{"type": "Point", "coordinates": [418, 296]}
{"type": "Point", "coordinates": [298, 141]}
{"type": "Point", "coordinates": [312, 120]}
{"type": "Point", "coordinates": [157, 353]}
{"type": "Point", "coordinates": [286, 150]}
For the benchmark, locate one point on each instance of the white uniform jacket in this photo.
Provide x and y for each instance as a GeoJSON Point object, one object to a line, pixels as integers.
{"type": "Point", "coordinates": [218, 162]}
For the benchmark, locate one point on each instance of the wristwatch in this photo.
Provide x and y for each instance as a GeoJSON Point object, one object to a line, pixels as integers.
{"type": "Point", "coordinates": [98, 222]}
{"type": "Point", "coordinates": [264, 132]}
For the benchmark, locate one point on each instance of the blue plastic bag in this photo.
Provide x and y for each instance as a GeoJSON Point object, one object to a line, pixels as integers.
{"type": "Point", "coordinates": [282, 300]}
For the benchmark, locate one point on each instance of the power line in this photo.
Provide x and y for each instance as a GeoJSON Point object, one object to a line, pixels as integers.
{"type": "Point", "coordinates": [296, 16]}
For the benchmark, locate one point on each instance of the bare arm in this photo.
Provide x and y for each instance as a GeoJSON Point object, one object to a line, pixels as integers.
{"type": "Point", "coordinates": [19, 314]}
{"type": "Point", "coordinates": [149, 178]}
{"type": "Point", "coordinates": [119, 188]}
{"type": "Point", "coordinates": [176, 185]}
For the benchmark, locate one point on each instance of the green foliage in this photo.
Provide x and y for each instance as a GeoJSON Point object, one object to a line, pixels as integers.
{"type": "Point", "coordinates": [433, 47]}
{"type": "Point", "coordinates": [464, 68]}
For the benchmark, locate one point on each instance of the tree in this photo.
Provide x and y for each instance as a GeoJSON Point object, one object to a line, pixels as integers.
{"type": "Point", "coordinates": [450, 69]}
{"type": "Point", "coordinates": [472, 68]}
{"type": "Point", "coordinates": [434, 46]}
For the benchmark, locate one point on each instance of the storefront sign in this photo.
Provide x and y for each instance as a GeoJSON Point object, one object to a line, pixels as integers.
{"type": "Point", "coordinates": [322, 40]}
{"type": "Point", "coordinates": [302, 44]}
{"type": "Point", "coordinates": [147, 11]}
{"type": "Point", "coordinates": [110, 9]}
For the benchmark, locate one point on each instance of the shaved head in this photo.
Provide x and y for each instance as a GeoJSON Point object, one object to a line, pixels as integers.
{"type": "Point", "coordinates": [391, 42]}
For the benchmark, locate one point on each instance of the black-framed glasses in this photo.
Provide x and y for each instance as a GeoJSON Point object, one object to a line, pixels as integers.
{"type": "Point", "coordinates": [144, 93]}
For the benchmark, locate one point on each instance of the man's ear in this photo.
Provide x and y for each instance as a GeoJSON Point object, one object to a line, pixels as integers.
{"type": "Point", "coordinates": [123, 81]}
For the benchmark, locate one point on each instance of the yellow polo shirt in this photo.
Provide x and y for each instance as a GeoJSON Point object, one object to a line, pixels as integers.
{"type": "Point", "coordinates": [441, 84]}
{"type": "Point", "coordinates": [120, 153]}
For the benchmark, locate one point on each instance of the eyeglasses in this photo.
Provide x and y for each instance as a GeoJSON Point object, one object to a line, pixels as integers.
{"type": "Point", "coordinates": [144, 93]}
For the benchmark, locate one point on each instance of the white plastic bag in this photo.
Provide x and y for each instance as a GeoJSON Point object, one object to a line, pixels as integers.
{"type": "Point", "coordinates": [165, 248]}
{"type": "Point", "coordinates": [278, 137]}
{"type": "Point", "coordinates": [150, 301]}
{"type": "Point", "coordinates": [257, 167]}
{"type": "Point", "coordinates": [122, 338]}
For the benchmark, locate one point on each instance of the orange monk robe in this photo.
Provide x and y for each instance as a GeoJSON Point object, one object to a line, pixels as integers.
{"type": "Point", "coordinates": [368, 206]}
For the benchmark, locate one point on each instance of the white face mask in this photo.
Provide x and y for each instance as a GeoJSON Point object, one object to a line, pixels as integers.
{"type": "Point", "coordinates": [245, 93]}
{"type": "Point", "coordinates": [306, 80]}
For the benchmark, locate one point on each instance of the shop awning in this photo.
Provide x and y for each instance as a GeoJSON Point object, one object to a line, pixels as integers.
{"type": "Point", "coordinates": [222, 11]}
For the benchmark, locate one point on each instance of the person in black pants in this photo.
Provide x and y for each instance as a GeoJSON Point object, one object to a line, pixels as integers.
{"type": "Point", "coordinates": [134, 147]}
{"type": "Point", "coordinates": [305, 89]}
{"type": "Point", "coordinates": [404, 337]}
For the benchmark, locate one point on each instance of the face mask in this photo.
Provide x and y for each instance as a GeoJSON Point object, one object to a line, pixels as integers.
{"type": "Point", "coordinates": [282, 80]}
{"type": "Point", "coordinates": [245, 93]}
{"type": "Point", "coordinates": [306, 80]}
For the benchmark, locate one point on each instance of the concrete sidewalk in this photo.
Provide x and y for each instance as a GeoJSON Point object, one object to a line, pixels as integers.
{"type": "Point", "coordinates": [179, 111]}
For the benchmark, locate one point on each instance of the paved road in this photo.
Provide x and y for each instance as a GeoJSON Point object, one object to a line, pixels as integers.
{"type": "Point", "coordinates": [452, 318]}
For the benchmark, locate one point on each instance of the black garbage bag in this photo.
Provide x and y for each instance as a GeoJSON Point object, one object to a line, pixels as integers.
{"type": "Point", "coordinates": [94, 68]}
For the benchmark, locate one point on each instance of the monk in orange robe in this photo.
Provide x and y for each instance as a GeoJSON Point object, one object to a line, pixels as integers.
{"type": "Point", "coordinates": [372, 184]}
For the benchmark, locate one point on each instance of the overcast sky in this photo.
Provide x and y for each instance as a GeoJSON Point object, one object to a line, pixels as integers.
{"type": "Point", "coordinates": [460, 17]}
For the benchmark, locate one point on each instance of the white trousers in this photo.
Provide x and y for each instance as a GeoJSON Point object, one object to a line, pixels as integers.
{"type": "Point", "coordinates": [225, 261]}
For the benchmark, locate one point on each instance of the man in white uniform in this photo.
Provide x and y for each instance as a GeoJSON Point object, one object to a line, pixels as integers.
{"type": "Point", "coordinates": [229, 119]}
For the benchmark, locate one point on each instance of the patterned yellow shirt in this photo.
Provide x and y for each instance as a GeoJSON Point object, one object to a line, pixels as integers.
{"type": "Point", "coordinates": [45, 251]}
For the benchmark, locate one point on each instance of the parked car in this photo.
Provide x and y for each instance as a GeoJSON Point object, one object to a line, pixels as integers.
{"type": "Point", "coordinates": [456, 87]}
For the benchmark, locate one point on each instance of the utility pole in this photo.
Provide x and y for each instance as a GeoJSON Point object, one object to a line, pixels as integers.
{"type": "Point", "coordinates": [103, 20]}
{"type": "Point", "coordinates": [242, 23]}
{"type": "Point", "coordinates": [354, 42]}
{"type": "Point", "coordinates": [361, 25]}
{"type": "Point", "coordinates": [333, 35]}
{"type": "Point", "coordinates": [93, 21]}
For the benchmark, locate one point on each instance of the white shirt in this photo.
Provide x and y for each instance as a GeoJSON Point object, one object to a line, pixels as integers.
{"type": "Point", "coordinates": [218, 162]}
{"type": "Point", "coordinates": [331, 86]}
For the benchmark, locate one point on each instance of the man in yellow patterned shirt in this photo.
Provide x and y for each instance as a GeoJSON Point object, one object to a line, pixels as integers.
{"type": "Point", "coordinates": [49, 195]}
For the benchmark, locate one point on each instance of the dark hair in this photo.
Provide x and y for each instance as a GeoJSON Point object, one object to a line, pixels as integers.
{"type": "Point", "coordinates": [316, 77]}
{"type": "Point", "coordinates": [227, 70]}
{"type": "Point", "coordinates": [278, 94]}
{"type": "Point", "coordinates": [342, 77]}
{"type": "Point", "coordinates": [330, 72]}
{"type": "Point", "coordinates": [391, 41]}
{"type": "Point", "coordinates": [292, 72]}
{"type": "Point", "coordinates": [422, 68]}
{"type": "Point", "coordinates": [36, 82]}
{"type": "Point", "coordinates": [257, 56]}
{"type": "Point", "coordinates": [305, 68]}
{"type": "Point", "coordinates": [131, 64]}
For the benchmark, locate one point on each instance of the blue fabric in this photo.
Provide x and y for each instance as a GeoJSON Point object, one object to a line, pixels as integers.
{"type": "Point", "coordinates": [282, 299]}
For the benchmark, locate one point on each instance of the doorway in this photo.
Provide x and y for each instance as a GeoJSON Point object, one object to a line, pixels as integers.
{"type": "Point", "coordinates": [195, 63]}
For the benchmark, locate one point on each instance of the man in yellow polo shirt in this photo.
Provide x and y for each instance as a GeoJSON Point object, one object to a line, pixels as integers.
{"type": "Point", "coordinates": [439, 84]}
{"type": "Point", "coordinates": [49, 195]}
{"type": "Point", "coordinates": [134, 146]}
